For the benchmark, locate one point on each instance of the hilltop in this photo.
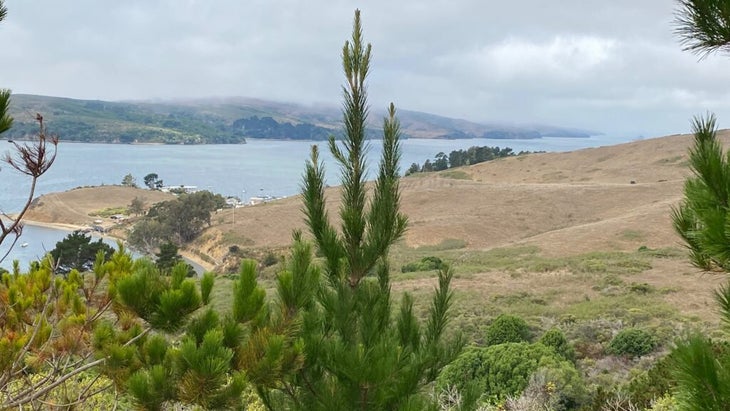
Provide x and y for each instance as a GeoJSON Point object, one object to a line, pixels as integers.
{"type": "Point", "coordinates": [231, 121]}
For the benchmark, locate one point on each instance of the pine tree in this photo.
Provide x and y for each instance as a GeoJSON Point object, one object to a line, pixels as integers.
{"type": "Point", "coordinates": [358, 353]}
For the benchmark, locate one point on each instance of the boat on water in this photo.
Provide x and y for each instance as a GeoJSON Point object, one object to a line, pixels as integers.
{"type": "Point", "coordinates": [24, 245]}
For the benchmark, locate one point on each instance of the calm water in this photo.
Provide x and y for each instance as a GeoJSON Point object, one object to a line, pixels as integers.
{"type": "Point", "coordinates": [261, 167]}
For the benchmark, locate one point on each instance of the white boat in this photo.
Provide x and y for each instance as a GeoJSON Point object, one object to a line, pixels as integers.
{"type": "Point", "coordinates": [24, 245]}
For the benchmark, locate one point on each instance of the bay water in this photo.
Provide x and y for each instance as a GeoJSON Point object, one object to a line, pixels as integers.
{"type": "Point", "coordinates": [260, 167]}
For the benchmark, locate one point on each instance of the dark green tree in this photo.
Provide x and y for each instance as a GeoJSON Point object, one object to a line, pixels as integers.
{"type": "Point", "coordinates": [153, 181]}
{"type": "Point", "coordinates": [358, 353]}
{"type": "Point", "coordinates": [414, 168]}
{"type": "Point", "coordinates": [704, 26]}
{"type": "Point", "coordinates": [77, 252]}
{"type": "Point", "coordinates": [457, 158]}
{"type": "Point", "coordinates": [169, 258]}
{"type": "Point", "coordinates": [440, 162]}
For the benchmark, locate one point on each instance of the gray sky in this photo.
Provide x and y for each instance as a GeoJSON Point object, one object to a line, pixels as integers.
{"type": "Point", "coordinates": [613, 66]}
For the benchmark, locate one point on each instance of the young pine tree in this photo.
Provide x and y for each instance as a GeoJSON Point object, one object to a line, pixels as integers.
{"type": "Point", "coordinates": [358, 353]}
{"type": "Point", "coordinates": [701, 370]}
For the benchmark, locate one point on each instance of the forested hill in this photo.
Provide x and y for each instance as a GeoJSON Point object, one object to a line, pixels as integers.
{"type": "Point", "coordinates": [231, 120]}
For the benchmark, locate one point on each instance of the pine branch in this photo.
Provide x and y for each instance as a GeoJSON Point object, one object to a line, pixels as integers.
{"type": "Point", "coordinates": [316, 217]}
{"type": "Point", "coordinates": [5, 120]}
{"type": "Point", "coordinates": [703, 26]}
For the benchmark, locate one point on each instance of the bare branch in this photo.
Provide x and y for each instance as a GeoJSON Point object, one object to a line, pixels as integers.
{"type": "Point", "coordinates": [32, 159]}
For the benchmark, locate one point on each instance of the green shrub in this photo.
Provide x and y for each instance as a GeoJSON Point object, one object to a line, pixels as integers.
{"type": "Point", "coordinates": [555, 339]}
{"type": "Point", "coordinates": [425, 264]}
{"type": "Point", "coordinates": [632, 342]}
{"type": "Point", "coordinates": [506, 329]}
{"type": "Point", "coordinates": [505, 370]}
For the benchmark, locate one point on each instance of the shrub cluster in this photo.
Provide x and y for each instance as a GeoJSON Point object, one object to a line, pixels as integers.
{"type": "Point", "coordinates": [632, 342]}
{"type": "Point", "coordinates": [505, 370]}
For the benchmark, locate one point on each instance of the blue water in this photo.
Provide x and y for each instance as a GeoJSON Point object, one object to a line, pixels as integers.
{"type": "Point", "coordinates": [261, 167]}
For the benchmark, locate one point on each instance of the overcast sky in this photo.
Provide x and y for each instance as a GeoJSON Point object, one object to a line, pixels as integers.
{"type": "Point", "coordinates": [612, 66]}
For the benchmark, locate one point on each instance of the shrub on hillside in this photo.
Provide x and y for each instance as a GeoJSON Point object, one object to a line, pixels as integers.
{"type": "Point", "coordinates": [555, 339]}
{"type": "Point", "coordinates": [505, 370]}
{"type": "Point", "coordinates": [426, 264]}
{"type": "Point", "coordinates": [632, 342]}
{"type": "Point", "coordinates": [506, 329]}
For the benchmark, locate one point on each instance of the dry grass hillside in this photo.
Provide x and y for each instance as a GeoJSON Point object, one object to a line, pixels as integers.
{"type": "Point", "coordinates": [565, 203]}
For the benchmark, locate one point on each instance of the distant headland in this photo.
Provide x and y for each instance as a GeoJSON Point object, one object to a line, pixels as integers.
{"type": "Point", "coordinates": [233, 120]}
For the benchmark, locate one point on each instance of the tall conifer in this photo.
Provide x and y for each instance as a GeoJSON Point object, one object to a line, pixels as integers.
{"type": "Point", "coordinates": [358, 353]}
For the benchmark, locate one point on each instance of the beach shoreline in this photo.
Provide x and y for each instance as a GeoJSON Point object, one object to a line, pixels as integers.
{"type": "Point", "coordinates": [189, 256]}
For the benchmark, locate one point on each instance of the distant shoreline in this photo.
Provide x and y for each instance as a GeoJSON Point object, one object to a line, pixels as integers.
{"type": "Point", "coordinates": [259, 139]}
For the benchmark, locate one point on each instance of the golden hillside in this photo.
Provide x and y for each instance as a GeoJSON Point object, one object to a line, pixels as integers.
{"type": "Point", "coordinates": [606, 198]}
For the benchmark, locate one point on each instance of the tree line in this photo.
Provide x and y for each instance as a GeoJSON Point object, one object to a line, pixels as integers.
{"type": "Point", "coordinates": [458, 158]}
